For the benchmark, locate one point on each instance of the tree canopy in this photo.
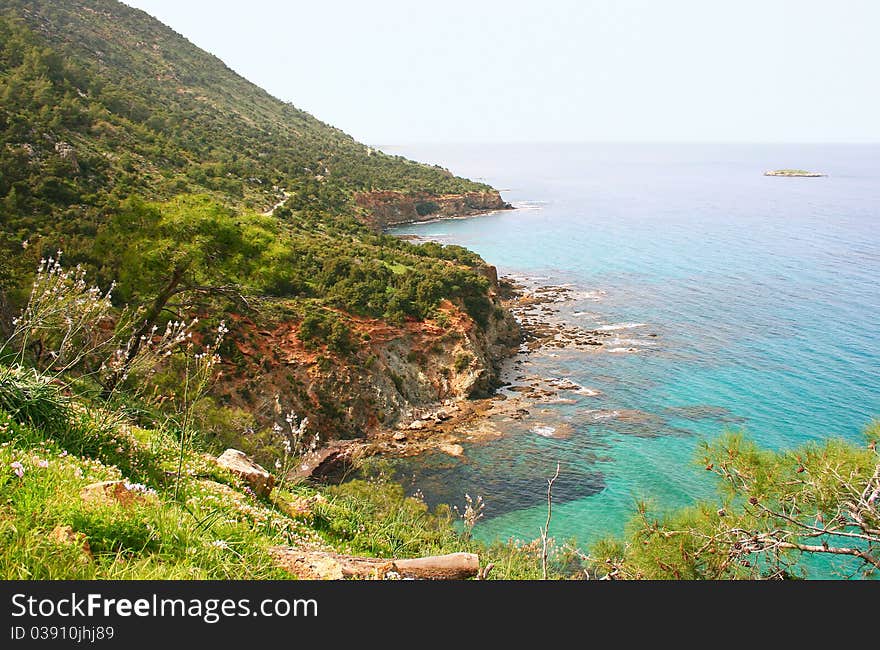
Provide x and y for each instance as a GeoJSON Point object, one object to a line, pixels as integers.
{"type": "Point", "coordinates": [779, 513]}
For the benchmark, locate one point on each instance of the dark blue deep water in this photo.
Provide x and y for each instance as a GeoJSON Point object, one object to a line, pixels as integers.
{"type": "Point", "coordinates": [765, 294]}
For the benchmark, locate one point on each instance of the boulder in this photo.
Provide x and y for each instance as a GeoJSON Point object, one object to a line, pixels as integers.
{"type": "Point", "coordinates": [329, 463]}
{"type": "Point", "coordinates": [67, 536]}
{"type": "Point", "coordinates": [417, 425]}
{"type": "Point", "coordinates": [243, 466]}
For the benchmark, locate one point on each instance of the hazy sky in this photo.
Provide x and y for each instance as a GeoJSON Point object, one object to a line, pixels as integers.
{"type": "Point", "coordinates": [404, 71]}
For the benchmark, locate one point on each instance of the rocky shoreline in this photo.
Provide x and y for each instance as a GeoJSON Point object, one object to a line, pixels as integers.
{"type": "Point", "coordinates": [384, 209]}
{"type": "Point", "coordinates": [522, 400]}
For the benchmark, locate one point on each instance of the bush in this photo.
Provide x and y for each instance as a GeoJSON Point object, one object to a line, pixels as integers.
{"type": "Point", "coordinates": [339, 340]}
{"type": "Point", "coordinates": [462, 361]}
{"type": "Point", "coordinates": [424, 208]}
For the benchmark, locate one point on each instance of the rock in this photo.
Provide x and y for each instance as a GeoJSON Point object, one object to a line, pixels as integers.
{"type": "Point", "coordinates": [442, 415]}
{"type": "Point", "coordinates": [400, 436]}
{"type": "Point", "coordinates": [67, 536]}
{"type": "Point", "coordinates": [452, 449]}
{"type": "Point", "coordinates": [520, 413]}
{"type": "Point", "coordinates": [386, 208]}
{"type": "Point", "coordinates": [417, 425]}
{"type": "Point", "coordinates": [116, 492]}
{"type": "Point", "coordinates": [66, 151]}
{"type": "Point", "coordinates": [240, 464]}
{"type": "Point", "coordinates": [330, 462]}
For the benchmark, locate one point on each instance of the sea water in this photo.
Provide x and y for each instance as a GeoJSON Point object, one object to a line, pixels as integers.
{"type": "Point", "coordinates": [764, 293]}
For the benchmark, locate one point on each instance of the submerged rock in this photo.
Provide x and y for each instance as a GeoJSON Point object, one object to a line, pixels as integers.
{"type": "Point", "coordinates": [452, 449]}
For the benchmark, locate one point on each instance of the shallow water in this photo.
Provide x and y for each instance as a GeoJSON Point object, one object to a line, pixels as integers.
{"type": "Point", "coordinates": [763, 291]}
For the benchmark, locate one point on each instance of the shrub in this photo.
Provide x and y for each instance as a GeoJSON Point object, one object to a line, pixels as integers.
{"type": "Point", "coordinates": [424, 208]}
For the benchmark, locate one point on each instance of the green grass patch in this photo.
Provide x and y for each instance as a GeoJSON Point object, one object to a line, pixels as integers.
{"type": "Point", "coordinates": [53, 444]}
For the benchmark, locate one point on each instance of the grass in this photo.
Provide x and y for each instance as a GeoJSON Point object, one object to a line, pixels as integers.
{"type": "Point", "coordinates": [397, 268]}
{"type": "Point", "coordinates": [216, 529]}
{"type": "Point", "coordinates": [208, 535]}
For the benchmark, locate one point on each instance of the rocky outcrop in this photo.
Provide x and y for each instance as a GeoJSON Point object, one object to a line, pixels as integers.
{"type": "Point", "coordinates": [395, 371]}
{"type": "Point", "coordinates": [331, 462]}
{"type": "Point", "coordinates": [384, 209]}
{"type": "Point", "coordinates": [240, 464]}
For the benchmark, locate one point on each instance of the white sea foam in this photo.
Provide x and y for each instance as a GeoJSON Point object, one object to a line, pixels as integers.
{"type": "Point", "coordinates": [594, 295]}
{"type": "Point", "coordinates": [630, 342]}
{"type": "Point", "coordinates": [605, 415]}
{"type": "Point", "coordinates": [544, 431]}
{"type": "Point", "coordinates": [620, 326]}
{"type": "Point", "coordinates": [529, 205]}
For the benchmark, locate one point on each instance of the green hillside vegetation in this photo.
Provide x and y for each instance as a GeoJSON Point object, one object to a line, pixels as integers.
{"type": "Point", "coordinates": [135, 152]}
{"type": "Point", "coordinates": [101, 101]}
{"type": "Point", "coordinates": [336, 264]}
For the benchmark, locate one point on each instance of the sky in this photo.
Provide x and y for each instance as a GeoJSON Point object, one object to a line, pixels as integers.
{"type": "Point", "coordinates": [403, 71]}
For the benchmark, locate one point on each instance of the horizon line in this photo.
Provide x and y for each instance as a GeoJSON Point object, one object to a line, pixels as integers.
{"type": "Point", "coordinates": [622, 142]}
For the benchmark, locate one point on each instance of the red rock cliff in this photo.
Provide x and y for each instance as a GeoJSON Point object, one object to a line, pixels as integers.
{"type": "Point", "coordinates": [391, 208]}
{"type": "Point", "coordinates": [394, 368]}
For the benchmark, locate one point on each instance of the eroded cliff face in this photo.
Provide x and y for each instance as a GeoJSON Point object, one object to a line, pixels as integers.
{"type": "Point", "coordinates": [384, 209]}
{"type": "Point", "coordinates": [393, 370]}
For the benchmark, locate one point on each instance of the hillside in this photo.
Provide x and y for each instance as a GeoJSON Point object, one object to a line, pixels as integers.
{"type": "Point", "coordinates": [89, 494]}
{"type": "Point", "coordinates": [101, 98]}
{"type": "Point", "coordinates": [195, 193]}
{"type": "Point", "coordinates": [190, 264]}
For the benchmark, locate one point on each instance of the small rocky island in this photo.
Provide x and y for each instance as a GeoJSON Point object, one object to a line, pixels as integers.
{"type": "Point", "coordinates": [802, 173]}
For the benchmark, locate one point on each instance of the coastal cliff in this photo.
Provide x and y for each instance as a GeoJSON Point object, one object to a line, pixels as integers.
{"type": "Point", "coordinates": [386, 208]}
{"type": "Point", "coordinates": [394, 369]}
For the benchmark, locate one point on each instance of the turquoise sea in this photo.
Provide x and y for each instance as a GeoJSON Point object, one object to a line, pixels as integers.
{"type": "Point", "coordinates": [764, 293]}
